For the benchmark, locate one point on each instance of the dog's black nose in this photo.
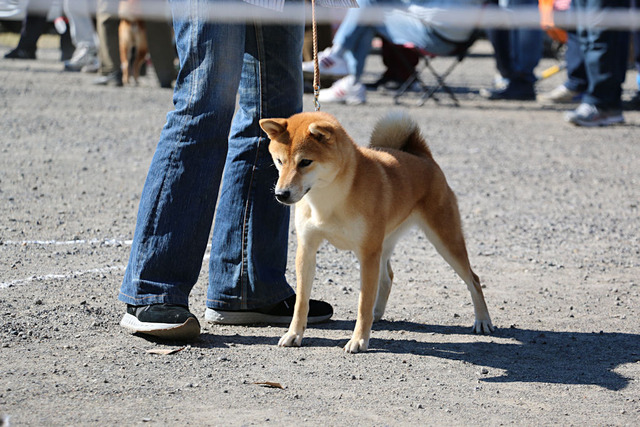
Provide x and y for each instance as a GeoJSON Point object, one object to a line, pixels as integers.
{"type": "Point", "coordinates": [283, 196]}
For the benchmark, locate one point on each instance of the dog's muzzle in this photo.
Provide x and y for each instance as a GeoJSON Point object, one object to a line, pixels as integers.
{"type": "Point", "coordinates": [283, 196]}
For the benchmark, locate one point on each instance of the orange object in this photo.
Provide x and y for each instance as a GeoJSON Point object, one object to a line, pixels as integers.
{"type": "Point", "coordinates": [547, 24]}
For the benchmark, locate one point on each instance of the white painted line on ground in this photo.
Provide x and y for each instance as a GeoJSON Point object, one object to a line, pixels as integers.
{"type": "Point", "coordinates": [71, 275]}
{"type": "Point", "coordinates": [105, 242]}
{"type": "Point", "coordinates": [61, 276]}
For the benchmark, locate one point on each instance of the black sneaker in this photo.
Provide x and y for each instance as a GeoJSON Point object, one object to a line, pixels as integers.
{"type": "Point", "coordinates": [166, 321]}
{"type": "Point", "coordinates": [280, 313]}
{"type": "Point", "coordinates": [633, 103]}
{"type": "Point", "coordinates": [19, 53]}
{"type": "Point", "coordinates": [513, 92]}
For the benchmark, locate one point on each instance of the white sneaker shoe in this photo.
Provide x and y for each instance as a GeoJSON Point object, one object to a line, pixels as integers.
{"type": "Point", "coordinates": [330, 64]}
{"type": "Point", "coordinates": [589, 115]}
{"type": "Point", "coordinates": [83, 57]}
{"type": "Point", "coordinates": [559, 95]}
{"type": "Point", "coordinates": [345, 90]}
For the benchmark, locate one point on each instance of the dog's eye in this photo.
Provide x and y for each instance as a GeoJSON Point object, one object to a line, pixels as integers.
{"type": "Point", "coordinates": [304, 163]}
{"type": "Point", "coordinates": [278, 161]}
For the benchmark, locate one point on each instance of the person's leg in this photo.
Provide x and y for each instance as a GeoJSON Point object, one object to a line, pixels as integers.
{"type": "Point", "coordinates": [344, 36]}
{"type": "Point", "coordinates": [636, 53]}
{"type": "Point", "coordinates": [32, 28]}
{"type": "Point", "coordinates": [353, 38]}
{"type": "Point", "coordinates": [82, 30]}
{"type": "Point", "coordinates": [161, 51]}
{"type": "Point", "coordinates": [635, 99]}
{"type": "Point", "coordinates": [33, 25]}
{"type": "Point", "coordinates": [249, 245]}
{"type": "Point", "coordinates": [501, 50]}
{"type": "Point", "coordinates": [179, 196]}
{"type": "Point", "coordinates": [83, 35]}
{"type": "Point", "coordinates": [405, 29]}
{"type": "Point", "coordinates": [576, 83]}
{"type": "Point", "coordinates": [107, 23]}
{"type": "Point", "coordinates": [576, 71]}
{"type": "Point", "coordinates": [526, 47]}
{"type": "Point", "coordinates": [605, 54]}
{"type": "Point", "coordinates": [525, 51]}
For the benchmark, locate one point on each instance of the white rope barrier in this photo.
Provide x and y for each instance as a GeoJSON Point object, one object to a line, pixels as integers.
{"type": "Point", "coordinates": [486, 17]}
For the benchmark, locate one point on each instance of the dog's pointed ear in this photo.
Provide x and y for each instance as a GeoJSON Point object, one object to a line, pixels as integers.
{"type": "Point", "coordinates": [273, 127]}
{"type": "Point", "coordinates": [322, 130]}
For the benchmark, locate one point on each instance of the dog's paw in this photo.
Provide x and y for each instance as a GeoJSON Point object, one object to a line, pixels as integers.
{"type": "Point", "coordinates": [483, 327]}
{"type": "Point", "coordinates": [290, 339]}
{"type": "Point", "coordinates": [356, 345]}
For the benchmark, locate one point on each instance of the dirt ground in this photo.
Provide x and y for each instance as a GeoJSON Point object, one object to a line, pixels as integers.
{"type": "Point", "coordinates": [551, 217]}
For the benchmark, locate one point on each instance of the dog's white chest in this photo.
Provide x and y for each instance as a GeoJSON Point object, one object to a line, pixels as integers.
{"type": "Point", "coordinates": [344, 235]}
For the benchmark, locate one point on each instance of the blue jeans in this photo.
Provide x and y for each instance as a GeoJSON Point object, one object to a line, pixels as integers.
{"type": "Point", "coordinates": [517, 50]}
{"type": "Point", "coordinates": [576, 71]}
{"type": "Point", "coordinates": [203, 144]}
{"type": "Point", "coordinates": [605, 55]}
{"type": "Point", "coordinates": [353, 38]}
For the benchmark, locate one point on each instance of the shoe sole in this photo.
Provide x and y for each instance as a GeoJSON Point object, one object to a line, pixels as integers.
{"type": "Point", "coordinates": [547, 101]}
{"type": "Point", "coordinates": [188, 330]}
{"type": "Point", "coordinates": [604, 122]}
{"type": "Point", "coordinates": [222, 317]}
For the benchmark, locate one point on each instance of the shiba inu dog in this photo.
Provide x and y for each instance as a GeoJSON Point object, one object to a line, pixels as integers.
{"type": "Point", "coordinates": [132, 37]}
{"type": "Point", "coordinates": [363, 199]}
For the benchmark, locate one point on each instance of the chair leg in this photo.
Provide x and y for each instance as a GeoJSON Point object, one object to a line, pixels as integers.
{"type": "Point", "coordinates": [440, 79]}
{"type": "Point", "coordinates": [414, 78]}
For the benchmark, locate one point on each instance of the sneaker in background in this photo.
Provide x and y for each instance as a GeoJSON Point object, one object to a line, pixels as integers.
{"type": "Point", "coordinates": [19, 53]}
{"type": "Point", "coordinates": [83, 57]}
{"type": "Point", "coordinates": [559, 95]}
{"type": "Point", "coordinates": [330, 65]}
{"type": "Point", "coordinates": [111, 79]}
{"type": "Point", "coordinates": [165, 321]}
{"type": "Point", "coordinates": [345, 90]}
{"type": "Point", "coordinates": [589, 115]}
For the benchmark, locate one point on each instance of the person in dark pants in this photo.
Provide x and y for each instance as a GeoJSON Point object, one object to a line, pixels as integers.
{"type": "Point", "coordinates": [635, 101]}
{"type": "Point", "coordinates": [605, 56]}
{"type": "Point", "coordinates": [517, 53]}
{"type": "Point", "coordinates": [33, 26]}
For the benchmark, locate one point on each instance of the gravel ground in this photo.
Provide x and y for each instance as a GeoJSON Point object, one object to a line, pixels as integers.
{"type": "Point", "coordinates": [551, 218]}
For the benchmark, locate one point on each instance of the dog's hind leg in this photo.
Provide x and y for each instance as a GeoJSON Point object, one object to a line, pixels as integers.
{"type": "Point", "coordinates": [141, 50]}
{"type": "Point", "coordinates": [369, 271]}
{"type": "Point", "coordinates": [132, 65]}
{"type": "Point", "coordinates": [386, 274]}
{"type": "Point", "coordinates": [384, 288]}
{"type": "Point", "coordinates": [442, 226]}
{"type": "Point", "coordinates": [124, 62]}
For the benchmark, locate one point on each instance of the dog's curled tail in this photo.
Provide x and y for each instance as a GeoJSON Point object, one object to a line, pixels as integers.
{"type": "Point", "coordinates": [399, 131]}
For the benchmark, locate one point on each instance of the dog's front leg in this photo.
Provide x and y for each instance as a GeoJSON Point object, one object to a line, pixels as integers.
{"type": "Point", "coordinates": [369, 273]}
{"type": "Point", "coordinates": [305, 272]}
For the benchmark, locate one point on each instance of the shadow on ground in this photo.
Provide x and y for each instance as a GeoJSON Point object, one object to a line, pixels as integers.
{"type": "Point", "coordinates": [572, 358]}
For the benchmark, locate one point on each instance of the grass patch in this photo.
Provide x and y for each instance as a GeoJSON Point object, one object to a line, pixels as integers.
{"type": "Point", "coordinates": [46, 41]}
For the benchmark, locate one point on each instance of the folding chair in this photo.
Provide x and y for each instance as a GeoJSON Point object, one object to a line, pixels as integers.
{"type": "Point", "coordinates": [428, 92]}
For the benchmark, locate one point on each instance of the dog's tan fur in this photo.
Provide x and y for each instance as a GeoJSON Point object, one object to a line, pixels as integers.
{"type": "Point", "coordinates": [362, 199]}
{"type": "Point", "coordinates": [133, 48]}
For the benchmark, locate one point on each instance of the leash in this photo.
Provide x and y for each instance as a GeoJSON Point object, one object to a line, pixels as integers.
{"type": "Point", "coordinates": [316, 67]}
